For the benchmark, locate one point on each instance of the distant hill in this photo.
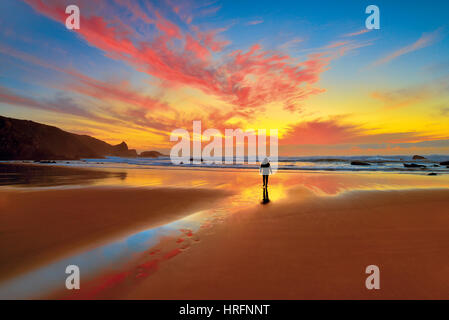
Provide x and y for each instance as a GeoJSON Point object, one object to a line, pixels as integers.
{"type": "Point", "coordinates": [28, 140]}
{"type": "Point", "coordinates": [151, 154]}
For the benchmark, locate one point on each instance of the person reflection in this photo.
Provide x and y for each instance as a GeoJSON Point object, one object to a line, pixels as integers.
{"type": "Point", "coordinates": [265, 196]}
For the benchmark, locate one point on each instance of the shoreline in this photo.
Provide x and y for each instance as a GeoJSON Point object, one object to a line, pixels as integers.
{"type": "Point", "coordinates": [138, 163]}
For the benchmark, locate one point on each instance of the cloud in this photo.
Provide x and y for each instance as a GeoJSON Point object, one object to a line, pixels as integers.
{"type": "Point", "coordinates": [336, 136]}
{"type": "Point", "coordinates": [439, 143]}
{"type": "Point", "coordinates": [338, 131]}
{"type": "Point", "coordinates": [245, 79]}
{"type": "Point", "coordinates": [86, 85]}
{"type": "Point", "coordinates": [424, 147]}
{"type": "Point", "coordinates": [336, 44]}
{"type": "Point", "coordinates": [291, 43]}
{"type": "Point", "coordinates": [321, 132]}
{"type": "Point", "coordinates": [444, 111]}
{"type": "Point", "coordinates": [425, 40]}
{"type": "Point", "coordinates": [357, 33]}
{"type": "Point", "coordinates": [121, 92]}
{"type": "Point", "coordinates": [254, 22]}
{"type": "Point", "coordinates": [60, 104]}
{"type": "Point", "coordinates": [402, 97]}
{"type": "Point", "coordinates": [181, 54]}
{"type": "Point", "coordinates": [407, 96]}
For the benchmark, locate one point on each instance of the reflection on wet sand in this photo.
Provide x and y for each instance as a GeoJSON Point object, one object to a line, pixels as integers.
{"type": "Point", "coordinates": [265, 199]}
{"type": "Point", "coordinates": [242, 181]}
{"type": "Point", "coordinates": [28, 175]}
{"type": "Point", "coordinates": [41, 225]}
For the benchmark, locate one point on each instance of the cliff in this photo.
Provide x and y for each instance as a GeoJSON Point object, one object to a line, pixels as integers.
{"type": "Point", "coordinates": [28, 140]}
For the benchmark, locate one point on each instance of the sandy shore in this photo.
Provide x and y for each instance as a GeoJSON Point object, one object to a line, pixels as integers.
{"type": "Point", "coordinates": [311, 247]}
{"type": "Point", "coordinates": [312, 241]}
{"type": "Point", "coordinates": [37, 226]}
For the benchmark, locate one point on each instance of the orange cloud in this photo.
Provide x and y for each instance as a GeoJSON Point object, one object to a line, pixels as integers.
{"type": "Point", "coordinates": [407, 96]}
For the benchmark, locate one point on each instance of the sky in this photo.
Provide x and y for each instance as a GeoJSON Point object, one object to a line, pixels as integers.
{"type": "Point", "coordinates": [137, 70]}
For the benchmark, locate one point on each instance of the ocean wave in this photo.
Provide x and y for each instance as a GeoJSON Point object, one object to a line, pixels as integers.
{"type": "Point", "coordinates": [372, 163]}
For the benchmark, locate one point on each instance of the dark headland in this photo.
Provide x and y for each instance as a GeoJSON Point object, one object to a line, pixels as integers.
{"type": "Point", "coordinates": [28, 140]}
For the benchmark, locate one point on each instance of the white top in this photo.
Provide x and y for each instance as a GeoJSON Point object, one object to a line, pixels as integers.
{"type": "Point", "coordinates": [265, 170]}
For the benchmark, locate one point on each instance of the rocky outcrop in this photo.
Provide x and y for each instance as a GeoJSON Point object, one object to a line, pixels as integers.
{"type": "Point", "coordinates": [416, 157]}
{"type": "Point", "coordinates": [121, 150]}
{"type": "Point", "coordinates": [28, 140]}
{"type": "Point", "coordinates": [151, 154]}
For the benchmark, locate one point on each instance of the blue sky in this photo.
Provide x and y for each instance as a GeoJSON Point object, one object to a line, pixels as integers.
{"type": "Point", "coordinates": [385, 86]}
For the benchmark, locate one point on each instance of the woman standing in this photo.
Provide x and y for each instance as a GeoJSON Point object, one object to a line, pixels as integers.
{"type": "Point", "coordinates": [265, 170]}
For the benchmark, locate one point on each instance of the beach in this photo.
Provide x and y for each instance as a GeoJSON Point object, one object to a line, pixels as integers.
{"type": "Point", "coordinates": [200, 150]}
{"type": "Point", "coordinates": [152, 233]}
{"type": "Point", "coordinates": [41, 225]}
{"type": "Point", "coordinates": [317, 249]}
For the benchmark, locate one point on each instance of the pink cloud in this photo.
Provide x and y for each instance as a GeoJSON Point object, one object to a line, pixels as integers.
{"type": "Point", "coordinates": [210, 39]}
{"type": "Point", "coordinates": [170, 29]}
{"type": "Point", "coordinates": [425, 40]}
{"type": "Point", "coordinates": [245, 79]}
{"type": "Point", "coordinates": [336, 44]}
{"type": "Point", "coordinates": [86, 85]}
{"type": "Point", "coordinates": [319, 131]}
{"type": "Point", "coordinates": [291, 43]}
{"type": "Point", "coordinates": [59, 104]}
{"type": "Point", "coordinates": [196, 47]}
{"type": "Point", "coordinates": [336, 131]}
{"type": "Point", "coordinates": [254, 22]}
{"type": "Point", "coordinates": [353, 34]}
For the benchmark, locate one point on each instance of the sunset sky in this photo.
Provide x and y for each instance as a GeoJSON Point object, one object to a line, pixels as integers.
{"type": "Point", "coordinates": [136, 70]}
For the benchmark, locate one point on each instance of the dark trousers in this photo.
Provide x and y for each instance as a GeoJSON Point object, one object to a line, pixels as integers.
{"type": "Point", "coordinates": [265, 180]}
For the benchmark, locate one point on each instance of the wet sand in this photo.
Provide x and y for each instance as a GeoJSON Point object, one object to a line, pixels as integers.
{"type": "Point", "coordinates": [38, 226]}
{"type": "Point", "coordinates": [311, 247]}
{"type": "Point", "coordinates": [313, 240]}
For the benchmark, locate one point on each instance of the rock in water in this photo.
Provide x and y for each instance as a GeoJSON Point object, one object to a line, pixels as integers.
{"type": "Point", "coordinates": [360, 163]}
{"type": "Point", "coordinates": [413, 165]}
{"type": "Point", "coordinates": [416, 157]}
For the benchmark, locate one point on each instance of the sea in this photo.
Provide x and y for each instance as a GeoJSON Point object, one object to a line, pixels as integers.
{"type": "Point", "coordinates": [390, 163]}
